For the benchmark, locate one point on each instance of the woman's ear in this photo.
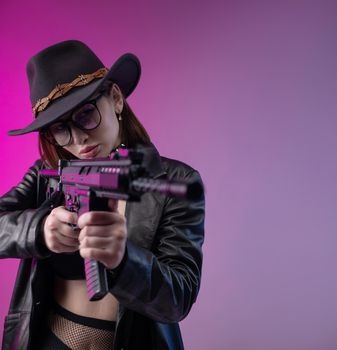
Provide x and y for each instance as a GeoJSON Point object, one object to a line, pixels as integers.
{"type": "Point", "coordinates": [117, 96]}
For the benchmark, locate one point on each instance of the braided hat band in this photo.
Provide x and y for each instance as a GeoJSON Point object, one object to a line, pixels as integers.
{"type": "Point", "coordinates": [62, 89]}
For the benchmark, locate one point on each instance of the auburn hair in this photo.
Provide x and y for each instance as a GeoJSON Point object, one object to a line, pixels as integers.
{"type": "Point", "coordinates": [131, 133]}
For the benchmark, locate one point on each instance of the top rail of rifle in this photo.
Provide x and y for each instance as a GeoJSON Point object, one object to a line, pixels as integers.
{"type": "Point", "coordinates": [98, 162]}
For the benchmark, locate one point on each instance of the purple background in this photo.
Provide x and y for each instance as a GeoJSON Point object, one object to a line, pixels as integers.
{"type": "Point", "coordinates": [245, 92]}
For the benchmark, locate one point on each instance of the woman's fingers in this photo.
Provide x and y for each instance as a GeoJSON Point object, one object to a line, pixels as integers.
{"type": "Point", "coordinates": [103, 237]}
{"type": "Point", "coordinates": [96, 218]}
{"type": "Point", "coordinates": [116, 230]}
{"type": "Point", "coordinates": [104, 256]}
{"type": "Point", "coordinates": [60, 235]}
{"type": "Point", "coordinates": [99, 242]}
{"type": "Point", "coordinates": [63, 215]}
{"type": "Point", "coordinates": [58, 247]}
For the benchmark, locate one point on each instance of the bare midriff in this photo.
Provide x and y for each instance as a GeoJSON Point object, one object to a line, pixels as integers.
{"type": "Point", "coordinates": [72, 295]}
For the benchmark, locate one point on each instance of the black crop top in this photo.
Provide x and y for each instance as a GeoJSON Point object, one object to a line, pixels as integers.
{"type": "Point", "coordinates": [69, 266]}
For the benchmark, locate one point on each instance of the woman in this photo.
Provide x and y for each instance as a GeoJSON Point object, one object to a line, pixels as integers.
{"type": "Point", "coordinates": [151, 250]}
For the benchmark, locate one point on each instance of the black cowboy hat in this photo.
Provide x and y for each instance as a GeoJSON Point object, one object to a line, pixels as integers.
{"type": "Point", "coordinates": [64, 75]}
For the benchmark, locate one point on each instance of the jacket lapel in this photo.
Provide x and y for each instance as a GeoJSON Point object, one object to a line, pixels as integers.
{"type": "Point", "coordinates": [143, 217]}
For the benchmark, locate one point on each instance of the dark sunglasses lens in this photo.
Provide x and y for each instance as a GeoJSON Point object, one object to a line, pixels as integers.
{"type": "Point", "coordinates": [60, 133]}
{"type": "Point", "coordinates": [86, 117]}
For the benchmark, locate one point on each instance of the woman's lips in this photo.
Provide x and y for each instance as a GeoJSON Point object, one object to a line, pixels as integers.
{"type": "Point", "coordinates": [89, 152]}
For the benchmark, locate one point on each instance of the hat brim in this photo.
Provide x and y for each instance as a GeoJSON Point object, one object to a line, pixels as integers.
{"type": "Point", "coordinates": [125, 72]}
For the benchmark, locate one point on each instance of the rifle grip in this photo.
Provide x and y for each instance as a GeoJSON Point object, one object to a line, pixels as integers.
{"type": "Point", "coordinates": [95, 273]}
{"type": "Point", "coordinates": [96, 279]}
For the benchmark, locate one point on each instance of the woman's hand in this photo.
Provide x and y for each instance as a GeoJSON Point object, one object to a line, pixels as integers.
{"type": "Point", "coordinates": [59, 235]}
{"type": "Point", "coordinates": [103, 236]}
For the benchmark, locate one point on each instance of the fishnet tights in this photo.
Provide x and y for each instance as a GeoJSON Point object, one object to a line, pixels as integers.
{"type": "Point", "coordinates": [80, 337]}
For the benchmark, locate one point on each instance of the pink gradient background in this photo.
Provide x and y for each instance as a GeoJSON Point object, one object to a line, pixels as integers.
{"type": "Point", "coordinates": [244, 91]}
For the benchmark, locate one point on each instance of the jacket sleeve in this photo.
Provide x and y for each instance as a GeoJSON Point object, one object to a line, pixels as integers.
{"type": "Point", "coordinates": [20, 219]}
{"type": "Point", "coordinates": [163, 283]}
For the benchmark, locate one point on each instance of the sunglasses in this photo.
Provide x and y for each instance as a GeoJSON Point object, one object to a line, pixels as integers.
{"type": "Point", "coordinates": [86, 117]}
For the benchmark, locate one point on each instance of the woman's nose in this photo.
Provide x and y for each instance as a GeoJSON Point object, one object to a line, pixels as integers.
{"type": "Point", "coordinates": [79, 136]}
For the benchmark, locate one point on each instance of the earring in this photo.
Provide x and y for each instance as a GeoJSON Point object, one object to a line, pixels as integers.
{"type": "Point", "coordinates": [119, 117]}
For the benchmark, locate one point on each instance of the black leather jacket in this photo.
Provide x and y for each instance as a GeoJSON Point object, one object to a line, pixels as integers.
{"type": "Point", "coordinates": [156, 286]}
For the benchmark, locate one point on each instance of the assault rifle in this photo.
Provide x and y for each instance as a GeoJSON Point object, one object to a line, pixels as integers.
{"type": "Point", "coordinates": [87, 185]}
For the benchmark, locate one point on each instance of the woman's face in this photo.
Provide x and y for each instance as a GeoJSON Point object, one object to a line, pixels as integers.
{"type": "Point", "coordinates": [99, 142]}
